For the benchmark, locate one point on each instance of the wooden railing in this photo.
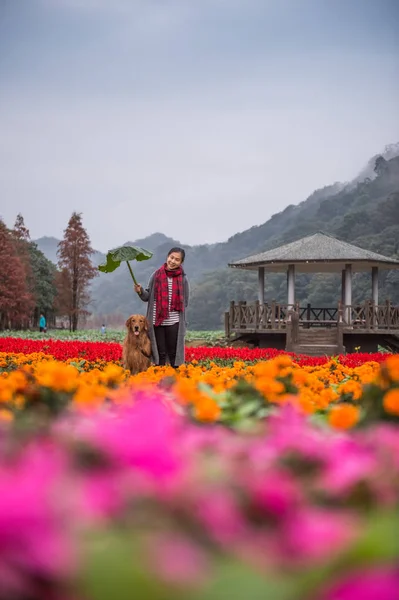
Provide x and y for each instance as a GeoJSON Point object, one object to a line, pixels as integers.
{"type": "Point", "coordinates": [253, 316]}
{"type": "Point", "coordinates": [256, 316]}
{"type": "Point", "coordinates": [370, 316]}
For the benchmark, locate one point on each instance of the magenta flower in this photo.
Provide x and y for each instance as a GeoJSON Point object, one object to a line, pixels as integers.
{"type": "Point", "coordinates": [275, 493]}
{"type": "Point", "coordinates": [36, 513]}
{"type": "Point", "coordinates": [177, 560]}
{"type": "Point", "coordinates": [141, 437]}
{"type": "Point", "coordinates": [349, 462]}
{"type": "Point", "coordinates": [315, 534]}
{"type": "Point", "coordinates": [378, 583]}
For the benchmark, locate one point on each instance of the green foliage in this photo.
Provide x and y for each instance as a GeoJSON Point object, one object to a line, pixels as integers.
{"type": "Point", "coordinates": [43, 275]}
{"type": "Point", "coordinates": [123, 254]}
{"type": "Point", "coordinates": [204, 338]}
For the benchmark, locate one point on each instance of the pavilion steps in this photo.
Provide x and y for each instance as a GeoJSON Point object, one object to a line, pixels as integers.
{"type": "Point", "coordinates": [317, 342]}
{"type": "Point", "coordinates": [317, 336]}
{"type": "Point", "coordinates": [316, 349]}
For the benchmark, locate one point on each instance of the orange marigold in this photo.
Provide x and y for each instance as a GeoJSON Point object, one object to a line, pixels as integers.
{"type": "Point", "coordinates": [391, 402]}
{"type": "Point", "coordinates": [207, 409]}
{"type": "Point", "coordinates": [392, 366]}
{"type": "Point", "coordinates": [344, 416]}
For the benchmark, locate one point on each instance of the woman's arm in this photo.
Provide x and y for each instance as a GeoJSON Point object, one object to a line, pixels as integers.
{"type": "Point", "coordinates": [186, 292]}
{"type": "Point", "coordinates": [145, 293]}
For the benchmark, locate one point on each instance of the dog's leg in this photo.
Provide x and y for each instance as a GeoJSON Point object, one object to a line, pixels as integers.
{"type": "Point", "coordinates": [146, 347]}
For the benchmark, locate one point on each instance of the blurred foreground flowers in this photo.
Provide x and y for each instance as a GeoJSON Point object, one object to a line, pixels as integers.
{"type": "Point", "coordinates": [270, 480]}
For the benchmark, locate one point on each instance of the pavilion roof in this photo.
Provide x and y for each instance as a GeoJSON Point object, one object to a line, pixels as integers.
{"type": "Point", "coordinates": [319, 252]}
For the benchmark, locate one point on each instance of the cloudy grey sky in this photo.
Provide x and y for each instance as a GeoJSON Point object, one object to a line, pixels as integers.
{"type": "Point", "coordinates": [196, 118]}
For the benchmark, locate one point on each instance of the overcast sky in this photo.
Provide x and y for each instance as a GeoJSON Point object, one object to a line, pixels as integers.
{"type": "Point", "coordinates": [196, 118]}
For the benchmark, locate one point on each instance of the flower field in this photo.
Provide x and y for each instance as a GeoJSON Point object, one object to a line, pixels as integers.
{"type": "Point", "coordinates": [242, 474]}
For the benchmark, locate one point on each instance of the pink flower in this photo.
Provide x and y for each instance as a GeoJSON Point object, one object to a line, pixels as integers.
{"type": "Point", "coordinates": [315, 534]}
{"type": "Point", "coordinates": [142, 437]}
{"type": "Point", "coordinates": [219, 512]}
{"type": "Point", "coordinates": [378, 583]}
{"type": "Point", "coordinates": [176, 559]}
{"type": "Point", "coordinates": [36, 505]}
{"type": "Point", "coordinates": [349, 462]}
{"type": "Point", "coordinates": [277, 494]}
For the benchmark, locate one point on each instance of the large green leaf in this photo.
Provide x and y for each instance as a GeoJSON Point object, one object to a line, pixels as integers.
{"type": "Point", "coordinates": [123, 254]}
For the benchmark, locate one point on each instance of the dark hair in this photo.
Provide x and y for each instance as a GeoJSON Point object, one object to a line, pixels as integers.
{"type": "Point", "coordinates": [178, 249]}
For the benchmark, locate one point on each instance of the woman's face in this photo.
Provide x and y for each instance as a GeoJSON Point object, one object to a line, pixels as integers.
{"type": "Point", "coordinates": [174, 261]}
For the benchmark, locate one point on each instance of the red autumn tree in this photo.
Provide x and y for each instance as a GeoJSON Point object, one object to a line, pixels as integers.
{"type": "Point", "coordinates": [20, 231]}
{"type": "Point", "coordinates": [22, 242]}
{"type": "Point", "coordinates": [77, 270]}
{"type": "Point", "coordinates": [16, 302]}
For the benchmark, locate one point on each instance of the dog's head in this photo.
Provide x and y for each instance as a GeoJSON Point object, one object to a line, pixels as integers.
{"type": "Point", "coordinates": [137, 324]}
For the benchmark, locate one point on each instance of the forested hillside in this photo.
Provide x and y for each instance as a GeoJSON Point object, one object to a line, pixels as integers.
{"type": "Point", "coordinates": [364, 212]}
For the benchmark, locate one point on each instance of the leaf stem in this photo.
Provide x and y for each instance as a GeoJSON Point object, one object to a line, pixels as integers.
{"type": "Point", "coordinates": [131, 272]}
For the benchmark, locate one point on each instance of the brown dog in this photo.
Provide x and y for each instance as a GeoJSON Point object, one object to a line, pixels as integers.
{"type": "Point", "coordinates": [137, 346]}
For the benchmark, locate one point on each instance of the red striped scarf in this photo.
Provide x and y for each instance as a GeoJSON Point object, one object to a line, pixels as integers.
{"type": "Point", "coordinates": [162, 292]}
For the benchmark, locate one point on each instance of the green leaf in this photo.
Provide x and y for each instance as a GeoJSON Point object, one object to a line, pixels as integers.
{"type": "Point", "coordinates": [379, 541]}
{"type": "Point", "coordinates": [236, 581]}
{"type": "Point", "coordinates": [123, 254]}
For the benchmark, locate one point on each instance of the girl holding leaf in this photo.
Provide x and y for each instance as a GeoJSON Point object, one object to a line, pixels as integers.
{"type": "Point", "coordinates": [167, 295]}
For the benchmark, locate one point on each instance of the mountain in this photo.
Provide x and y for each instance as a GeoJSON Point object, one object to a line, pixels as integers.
{"type": "Point", "coordinates": [49, 247]}
{"type": "Point", "coordinates": [364, 211]}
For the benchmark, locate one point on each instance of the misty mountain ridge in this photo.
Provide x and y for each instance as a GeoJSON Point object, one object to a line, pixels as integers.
{"type": "Point", "coordinates": [364, 211]}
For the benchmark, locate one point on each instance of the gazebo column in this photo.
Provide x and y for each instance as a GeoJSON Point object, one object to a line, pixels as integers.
{"type": "Point", "coordinates": [343, 286]}
{"type": "Point", "coordinates": [374, 296]}
{"type": "Point", "coordinates": [261, 285]}
{"type": "Point", "coordinates": [374, 285]}
{"type": "Point", "coordinates": [348, 293]}
{"type": "Point", "coordinates": [291, 285]}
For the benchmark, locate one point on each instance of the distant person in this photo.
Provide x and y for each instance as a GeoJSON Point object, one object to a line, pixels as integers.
{"type": "Point", "coordinates": [167, 296]}
{"type": "Point", "coordinates": [42, 323]}
{"type": "Point", "coordinates": [103, 329]}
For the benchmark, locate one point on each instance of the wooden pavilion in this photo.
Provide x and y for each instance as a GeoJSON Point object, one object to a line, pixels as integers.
{"type": "Point", "coordinates": [308, 329]}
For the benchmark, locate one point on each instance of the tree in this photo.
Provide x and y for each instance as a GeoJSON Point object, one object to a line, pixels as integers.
{"type": "Point", "coordinates": [21, 237]}
{"type": "Point", "coordinates": [45, 290]}
{"type": "Point", "coordinates": [39, 271]}
{"type": "Point", "coordinates": [77, 270]}
{"type": "Point", "coordinates": [381, 165]}
{"type": "Point", "coordinates": [16, 301]}
{"type": "Point", "coordinates": [20, 231]}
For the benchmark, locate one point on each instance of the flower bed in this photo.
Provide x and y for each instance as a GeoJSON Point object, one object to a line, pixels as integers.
{"type": "Point", "coordinates": [110, 351]}
{"type": "Point", "coordinates": [232, 394]}
{"type": "Point", "coordinates": [231, 477]}
{"type": "Point", "coordinates": [138, 502]}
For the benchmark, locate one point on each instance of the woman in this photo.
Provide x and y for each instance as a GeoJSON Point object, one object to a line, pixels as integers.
{"type": "Point", "coordinates": [167, 296]}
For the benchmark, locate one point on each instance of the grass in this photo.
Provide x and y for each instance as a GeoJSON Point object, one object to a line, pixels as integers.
{"type": "Point", "coordinates": [112, 335]}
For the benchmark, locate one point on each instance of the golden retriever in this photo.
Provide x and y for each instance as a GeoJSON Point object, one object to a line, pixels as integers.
{"type": "Point", "coordinates": [137, 346]}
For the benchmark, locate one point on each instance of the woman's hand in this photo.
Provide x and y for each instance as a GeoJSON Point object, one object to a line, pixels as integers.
{"type": "Point", "coordinates": [138, 288]}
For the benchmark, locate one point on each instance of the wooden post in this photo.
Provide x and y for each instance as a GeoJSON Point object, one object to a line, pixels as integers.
{"type": "Point", "coordinates": [308, 307]}
{"type": "Point", "coordinates": [348, 294]}
{"type": "Point", "coordinates": [367, 314]}
{"type": "Point", "coordinates": [257, 312]}
{"type": "Point", "coordinates": [339, 316]}
{"type": "Point", "coordinates": [374, 285]}
{"type": "Point", "coordinates": [343, 286]}
{"type": "Point", "coordinates": [340, 337]}
{"type": "Point", "coordinates": [288, 339]}
{"type": "Point", "coordinates": [291, 286]}
{"type": "Point", "coordinates": [261, 285]}
{"type": "Point", "coordinates": [227, 324]}
{"type": "Point", "coordinates": [388, 303]}
{"type": "Point", "coordinates": [241, 306]}
{"type": "Point", "coordinates": [273, 316]}
{"type": "Point", "coordinates": [232, 311]}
